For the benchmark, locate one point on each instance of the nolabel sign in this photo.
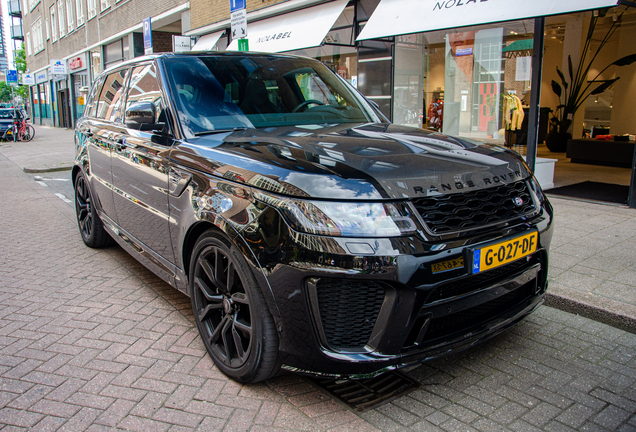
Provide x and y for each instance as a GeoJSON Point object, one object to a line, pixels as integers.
{"type": "Point", "coordinates": [398, 17]}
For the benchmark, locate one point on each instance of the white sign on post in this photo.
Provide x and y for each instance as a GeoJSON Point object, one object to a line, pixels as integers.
{"type": "Point", "coordinates": [238, 20]}
{"type": "Point", "coordinates": [181, 43]}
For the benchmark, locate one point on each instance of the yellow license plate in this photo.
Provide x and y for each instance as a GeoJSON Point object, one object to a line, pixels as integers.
{"type": "Point", "coordinates": [447, 265]}
{"type": "Point", "coordinates": [501, 253]}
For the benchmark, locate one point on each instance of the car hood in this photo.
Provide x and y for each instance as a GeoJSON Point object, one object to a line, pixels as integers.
{"type": "Point", "coordinates": [359, 162]}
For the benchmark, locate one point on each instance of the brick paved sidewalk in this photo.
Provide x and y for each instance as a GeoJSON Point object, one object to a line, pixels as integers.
{"type": "Point", "coordinates": [90, 340]}
{"type": "Point", "coordinates": [51, 149]}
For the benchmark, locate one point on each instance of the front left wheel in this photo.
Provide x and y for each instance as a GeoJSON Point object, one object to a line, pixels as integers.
{"type": "Point", "coordinates": [235, 324]}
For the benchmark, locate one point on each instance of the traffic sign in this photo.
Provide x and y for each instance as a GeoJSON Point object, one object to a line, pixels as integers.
{"type": "Point", "coordinates": [147, 31]}
{"type": "Point", "coordinates": [239, 24]}
{"type": "Point", "coordinates": [11, 77]}
{"type": "Point", "coordinates": [236, 5]}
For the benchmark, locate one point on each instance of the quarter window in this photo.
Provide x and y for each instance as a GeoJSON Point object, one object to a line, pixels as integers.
{"type": "Point", "coordinates": [111, 96]}
{"type": "Point", "coordinates": [92, 98]}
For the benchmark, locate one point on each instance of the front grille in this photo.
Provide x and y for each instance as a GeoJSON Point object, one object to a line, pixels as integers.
{"type": "Point", "coordinates": [348, 310]}
{"type": "Point", "coordinates": [475, 282]}
{"type": "Point", "coordinates": [461, 211]}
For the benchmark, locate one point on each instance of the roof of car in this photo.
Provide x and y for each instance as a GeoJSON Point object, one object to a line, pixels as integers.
{"type": "Point", "coordinates": [191, 54]}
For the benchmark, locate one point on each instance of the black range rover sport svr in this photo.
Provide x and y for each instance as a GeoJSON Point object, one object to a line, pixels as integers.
{"type": "Point", "coordinates": [311, 234]}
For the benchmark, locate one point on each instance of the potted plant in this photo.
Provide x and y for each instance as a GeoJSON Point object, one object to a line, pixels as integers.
{"type": "Point", "coordinates": [572, 93]}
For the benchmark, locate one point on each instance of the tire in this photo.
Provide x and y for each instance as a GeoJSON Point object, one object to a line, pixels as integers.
{"type": "Point", "coordinates": [29, 133]}
{"type": "Point", "coordinates": [90, 225]}
{"type": "Point", "coordinates": [237, 329]}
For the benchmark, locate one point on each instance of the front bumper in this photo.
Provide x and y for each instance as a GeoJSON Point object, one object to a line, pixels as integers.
{"type": "Point", "coordinates": [344, 313]}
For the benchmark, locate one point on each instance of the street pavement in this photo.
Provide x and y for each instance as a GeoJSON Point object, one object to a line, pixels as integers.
{"type": "Point", "coordinates": [91, 340]}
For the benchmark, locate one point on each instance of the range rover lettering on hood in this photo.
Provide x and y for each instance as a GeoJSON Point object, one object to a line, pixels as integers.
{"type": "Point", "coordinates": [492, 180]}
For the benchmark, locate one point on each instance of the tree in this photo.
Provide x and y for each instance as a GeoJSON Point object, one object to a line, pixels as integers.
{"type": "Point", "coordinates": [19, 59]}
{"type": "Point", "coordinates": [5, 92]}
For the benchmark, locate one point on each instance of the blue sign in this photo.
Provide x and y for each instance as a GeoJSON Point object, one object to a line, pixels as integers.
{"type": "Point", "coordinates": [12, 76]}
{"type": "Point", "coordinates": [147, 36]}
{"type": "Point", "coordinates": [237, 5]}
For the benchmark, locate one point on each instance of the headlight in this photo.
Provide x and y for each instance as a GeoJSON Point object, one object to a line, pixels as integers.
{"type": "Point", "coordinates": [344, 219]}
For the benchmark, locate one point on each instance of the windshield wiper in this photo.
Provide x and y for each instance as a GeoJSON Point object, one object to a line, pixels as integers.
{"type": "Point", "coordinates": [216, 131]}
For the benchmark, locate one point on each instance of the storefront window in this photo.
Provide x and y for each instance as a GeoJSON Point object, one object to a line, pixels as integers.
{"type": "Point", "coordinates": [45, 98]}
{"type": "Point", "coordinates": [80, 81]}
{"type": "Point", "coordinates": [338, 51]}
{"type": "Point", "coordinates": [36, 102]}
{"type": "Point", "coordinates": [472, 83]}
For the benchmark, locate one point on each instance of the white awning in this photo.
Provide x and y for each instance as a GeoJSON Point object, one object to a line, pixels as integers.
{"type": "Point", "coordinates": [304, 28]}
{"type": "Point", "coordinates": [207, 42]}
{"type": "Point", "coordinates": [397, 17]}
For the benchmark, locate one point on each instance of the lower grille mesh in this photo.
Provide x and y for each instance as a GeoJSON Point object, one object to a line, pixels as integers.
{"type": "Point", "coordinates": [348, 310]}
{"type": "Point", "coordinates": [479, 314]}
{"type": "Point", "coordinates": [474, 282]}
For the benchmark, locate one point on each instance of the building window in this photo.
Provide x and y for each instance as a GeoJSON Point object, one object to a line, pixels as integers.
{"type": "Point", "coordinates": [69, 16]}
{"type": "Point", "coordinates": [53, 24]}
{"type": "Point", "coordinates": [79, 11]}
{"type": "Point", "coordinates": [60, 17]}
{"type": "Point", "coordinates": [105, 4]}
{"type": "Point", "coordinates": [38, 41]}
{"type": "Point", "coordinates": [32, 4]}
{"type": "Point", "coordinates": [48, 29]}
{"type": "Point", "coordinates": [27, 46]}
{"type": "Point", "coordinates": [92, 8]}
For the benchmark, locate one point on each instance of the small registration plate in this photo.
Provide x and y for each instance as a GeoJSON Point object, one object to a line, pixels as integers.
{"type": "Point", "coordinates": [448, 265]}
{"type": "Point", "coordinates": [501, 253]}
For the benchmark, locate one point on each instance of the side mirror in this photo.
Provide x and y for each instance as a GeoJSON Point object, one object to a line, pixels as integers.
{"type": "Point", "coordinates": [140, 114]}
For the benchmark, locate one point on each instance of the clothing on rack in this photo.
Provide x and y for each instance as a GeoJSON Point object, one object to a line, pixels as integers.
{"type": "Point", "coordinates": [513, 112]}
{"type": "Point", "coordinates": [436, 114]}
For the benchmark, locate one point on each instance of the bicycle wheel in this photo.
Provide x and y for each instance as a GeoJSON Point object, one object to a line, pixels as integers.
{"type": "Point", "coordinates": [29, 133]}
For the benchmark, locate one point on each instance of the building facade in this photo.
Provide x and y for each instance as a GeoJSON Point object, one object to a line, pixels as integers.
{"type": "Point", "coordinates": [69, 42]}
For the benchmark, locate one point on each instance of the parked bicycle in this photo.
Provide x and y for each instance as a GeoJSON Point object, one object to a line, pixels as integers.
{"type": "Point", "coordinates": [19, 130]}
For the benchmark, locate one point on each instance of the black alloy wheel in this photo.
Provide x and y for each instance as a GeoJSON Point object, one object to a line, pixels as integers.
{"type": "Point", "coordinates": [89, 223]}
{"type": "Point", "coordinates": [236, 327]}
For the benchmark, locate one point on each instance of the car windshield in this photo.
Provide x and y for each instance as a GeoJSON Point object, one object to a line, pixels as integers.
{"type": "Point", "coordinates": [226, 92]}
{"type": "Point", "coordinates": [6, 113]}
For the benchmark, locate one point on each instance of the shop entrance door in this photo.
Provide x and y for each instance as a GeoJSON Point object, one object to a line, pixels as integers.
{"type": "Point", "coordinates": [64, 113]}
